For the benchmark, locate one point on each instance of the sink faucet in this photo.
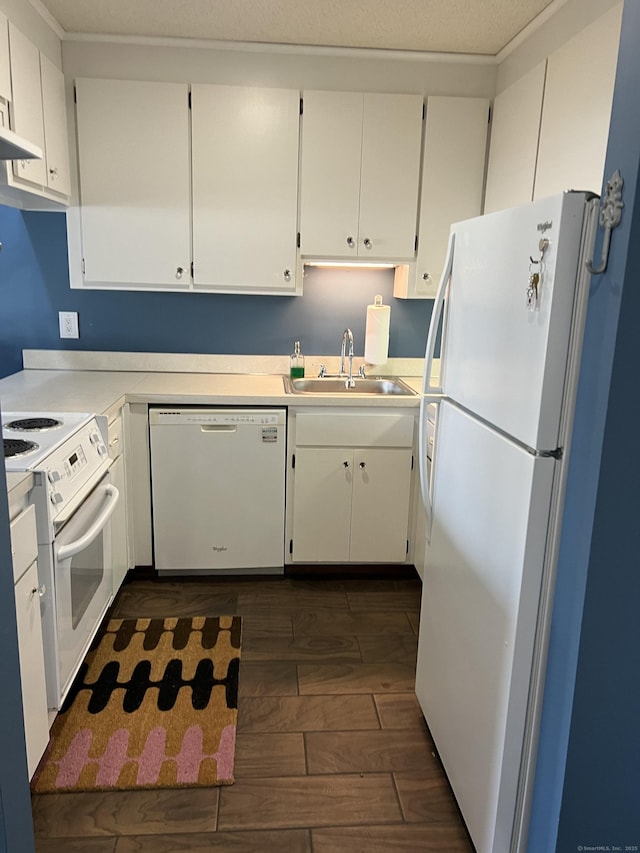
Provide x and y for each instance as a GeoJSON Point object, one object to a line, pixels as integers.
{"type": "Point", "coordinates": [347, 335]}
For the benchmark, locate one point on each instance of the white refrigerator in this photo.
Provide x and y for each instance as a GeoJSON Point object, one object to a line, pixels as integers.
{"type": "Point", "coordinates": [512, 301]}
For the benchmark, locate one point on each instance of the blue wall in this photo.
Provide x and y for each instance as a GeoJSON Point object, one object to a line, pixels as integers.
{"type": "Point", "coordinates": [587, 790]}
{"type": "Point", "coordinates": [35, 286]}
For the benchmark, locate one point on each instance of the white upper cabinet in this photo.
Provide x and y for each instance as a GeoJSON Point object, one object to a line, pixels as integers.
{"type": "Point", "coordinates": [360, 175]}
{"type": "Point", "coordinates": [26, 104]}
{"type": "Point", "coordinates": [455, 144]}
{"type": "Point", "coordinates": [551, 126]}
{"type": "Point", "coordinates": [5, 69]}
{"type": "Point", "coordinates": [55, 127]}
{"type": "Point", "coordinates": [34, 107]}
{"type": "Point", "coordinates": [514, 142]}
{"type": "Point", "coordinates": [245, 187]}
{"type": "Point", "coordinates": [577, 109]}
{"type": "Point", "coordinates": [133, 150]}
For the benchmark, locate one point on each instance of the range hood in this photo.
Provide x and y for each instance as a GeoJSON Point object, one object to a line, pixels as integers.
{"type": "Point", "coordinates": [14, 147]}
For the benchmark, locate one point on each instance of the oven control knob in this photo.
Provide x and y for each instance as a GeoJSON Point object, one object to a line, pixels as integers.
{"type": "Point", "coordinates": [56, 498]}
{"type": "Point", "coordinates": [53, 476]}
{"type": "Point", "coordinates": [101, 450]}
{"type": "Point", "coordinates": [94, 438]}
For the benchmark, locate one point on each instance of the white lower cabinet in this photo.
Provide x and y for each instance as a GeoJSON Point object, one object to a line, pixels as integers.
{"type": "Point", "coordinates": [24, 547]}
{"type": "Point", "coordinates": [350, 478]}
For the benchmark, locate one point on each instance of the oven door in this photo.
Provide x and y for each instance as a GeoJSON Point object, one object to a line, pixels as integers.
{"type": "Point", "coordinates": [83, 578]}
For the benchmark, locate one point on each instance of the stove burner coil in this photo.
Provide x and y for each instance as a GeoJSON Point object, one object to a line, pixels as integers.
{"type": "Point", "coordinates": [17, 447]}
{"type": "Point", "coordinates": [35, 424]}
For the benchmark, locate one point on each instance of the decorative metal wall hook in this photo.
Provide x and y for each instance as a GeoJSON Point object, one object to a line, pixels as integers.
{"type": "Point", "coordinates": [610, 216]}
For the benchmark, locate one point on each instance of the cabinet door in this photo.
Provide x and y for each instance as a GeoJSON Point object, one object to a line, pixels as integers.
{"type": "Point", "coordinates": [55, 127]}
{"type": "Point", "coordinates": [380, 510]}
{"type": "Point", "coordinates": [452, 179]}
{"type": "Point", "coordinates": [26, 105]}
{"type": "Point", "coordinates": [390, 175]}
{"type": "Point", "coordinates": [577, 109]}
{"type": "Point", "coordinates": [322, 504]}
{"type": "Point", "coordinates": [330, 173]}
{"type": "Point", "coordinates": [245, 186]}
{"type": "Point", "coordinates": [34, 693]}
{"type": "Point", "coordinates": [514, 142]}
{"type": "Point", "coordinates": [119, 552]}
{"type": "Point", "coordinates": [133, 150]}
{"type": "Point", "coordinates": [5, 72]}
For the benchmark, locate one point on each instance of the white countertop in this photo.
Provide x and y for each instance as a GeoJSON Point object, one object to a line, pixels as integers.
{"type": "Point", "coordinates": [102, 391]}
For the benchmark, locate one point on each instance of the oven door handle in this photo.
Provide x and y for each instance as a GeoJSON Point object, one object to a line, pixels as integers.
{"type": "Point", "coordinates": [73, 548]}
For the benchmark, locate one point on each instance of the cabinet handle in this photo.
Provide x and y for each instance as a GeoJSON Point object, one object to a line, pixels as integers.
{"type": "Point", "coordinates": [287, 275]}
{"type": "Point", "coordinates": [363, 465]}
{"type": "Point", "coordinates": [179, 272]}
{"type": "Point", "coordinates": [113, 441]}
{"type": "Point", "coordinates": [54, 171]}
{"type": "Point", "coordinates": [38, 590]}
{"type": "Point", "coordinates": [345, 464]}
{"type": "Point", "coordinates": [367, 243]}
{"type": "Point", "coordinates": [350, 242]}
{"type": "Point", "coordinates": [426, 276]}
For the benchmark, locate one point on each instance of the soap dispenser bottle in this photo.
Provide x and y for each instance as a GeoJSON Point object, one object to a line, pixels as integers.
{"type": "Point", "coordinates": [296, 367]}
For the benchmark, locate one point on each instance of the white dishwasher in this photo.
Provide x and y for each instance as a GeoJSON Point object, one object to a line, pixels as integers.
{"type": "Point", "coordinates": [217, 485]}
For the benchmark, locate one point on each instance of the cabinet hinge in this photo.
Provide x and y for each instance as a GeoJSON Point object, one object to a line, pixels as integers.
{"type": "Point", "coordinates": [293, 460]}
{"type": "Point", "coordinates": [75, 95]}
{"type": "Point", "coordinates": [83, 266]}
{"type": "Point", "coordinates": [489, 119]}
{"type": "Point", "coordinates": [412, 463]}
{"type": "Point", "coordinates": [189, 99]}
{"type": "Point", "coordinates": [298, 240]}
{"type": "Point", "coordinates": [291, 546]}
{"type": "Point", "coordinates": [191, 269]}
{"type": "Point", "coordinates": [415, 245]}
{"type": "Point", "coordinates": [301, 106]}
{"type": "Point", "coordinates": [424, 111]}
{"type": "Point", "coordinates": [407, 546]}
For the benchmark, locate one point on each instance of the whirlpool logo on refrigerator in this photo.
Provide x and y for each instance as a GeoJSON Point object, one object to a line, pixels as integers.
{"type": "Point", "coordinates": [219, 549]}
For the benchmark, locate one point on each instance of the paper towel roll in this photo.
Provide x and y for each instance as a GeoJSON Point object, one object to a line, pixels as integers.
{"type": "Point", "coordinates": [376, 336]}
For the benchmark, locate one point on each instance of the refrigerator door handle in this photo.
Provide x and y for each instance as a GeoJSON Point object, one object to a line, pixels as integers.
{"type": "Point", "coordinates": [438, 305]}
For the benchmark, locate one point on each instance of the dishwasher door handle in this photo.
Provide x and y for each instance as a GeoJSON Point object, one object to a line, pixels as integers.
{"type": "Point", "coordinates": [218, 428]}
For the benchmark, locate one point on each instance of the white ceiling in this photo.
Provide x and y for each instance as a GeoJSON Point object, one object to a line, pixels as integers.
{"type": "Point", "coordinates": [448, 26]}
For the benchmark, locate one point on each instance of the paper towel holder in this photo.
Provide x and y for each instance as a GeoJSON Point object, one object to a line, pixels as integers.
{"type": "Point", "coordinates": [376, 339]}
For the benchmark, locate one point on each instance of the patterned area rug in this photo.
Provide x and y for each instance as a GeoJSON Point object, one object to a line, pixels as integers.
{"type": "Point", "coordinates": [154, 706]}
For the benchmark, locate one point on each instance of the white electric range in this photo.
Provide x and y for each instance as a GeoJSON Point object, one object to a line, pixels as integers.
{"type": "Point", "coordinates": [74, 500]}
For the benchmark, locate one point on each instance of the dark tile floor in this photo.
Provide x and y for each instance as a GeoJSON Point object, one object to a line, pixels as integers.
{"type": "Point", "coordinates": [332, 756]}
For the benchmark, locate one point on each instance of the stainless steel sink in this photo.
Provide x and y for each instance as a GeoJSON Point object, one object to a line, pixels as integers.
{"type": "Point", "coordinates": [376, 386]}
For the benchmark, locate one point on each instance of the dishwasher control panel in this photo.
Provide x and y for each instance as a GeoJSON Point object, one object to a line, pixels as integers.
{"type": "Point", "coordinates": [216, 417]}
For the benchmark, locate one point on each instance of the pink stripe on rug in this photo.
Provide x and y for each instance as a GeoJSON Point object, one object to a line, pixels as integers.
{"type": "Point", "coordinates": [153, 756]}
{"type": "Point", "coordinates": [113, 758]}
{"type": "Point", "coordinates": [225, 753]}
{"type": "Point", "coordinates": [71, 764]}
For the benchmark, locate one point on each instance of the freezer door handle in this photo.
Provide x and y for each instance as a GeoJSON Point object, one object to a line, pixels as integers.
{"type": "Point", "coordinates": [427, 387]}
{"type": "Point", "coordinates": [425, 475]}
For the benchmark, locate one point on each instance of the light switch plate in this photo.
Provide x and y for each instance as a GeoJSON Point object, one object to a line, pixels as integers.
{"type": "Point", "coordinates": [68, 324]}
